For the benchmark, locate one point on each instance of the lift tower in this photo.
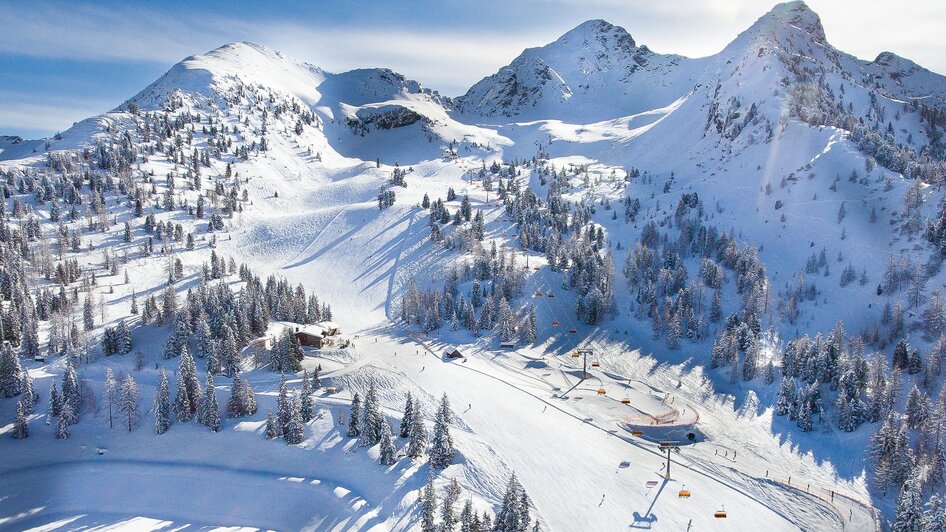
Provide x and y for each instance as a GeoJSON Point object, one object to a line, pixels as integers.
{"type": "Point", "coordinates": [584, 353]}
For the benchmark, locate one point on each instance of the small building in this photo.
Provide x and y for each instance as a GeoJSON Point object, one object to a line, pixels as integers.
{"type": "Point", "coordinates": [311, 336]}
{"type": "Point", "coordinates": [453, 352]}
{"type": "Point", "coordinates": [310, 340]}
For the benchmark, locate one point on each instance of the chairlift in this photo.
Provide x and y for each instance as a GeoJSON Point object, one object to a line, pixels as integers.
{"type": "Point", "coordinates": [555, 324]}
{"type": "Point", "coordinates": [650, 483]}
{"type": "Point", "coordinates": [721, 513]}
{"type": "Point", "coordinates": [573, 331]}
{"type": "Point", "coordinates": [551, 294]}
{"type": "Point", "coordinates": [595, 364]}
{"type": "Point", "coordinates": [684, 493]}
{"type": "Point", "coordinates": [538, 293]}
{"type": "Point", "coordinates": [625, 401]}
{"type": "Point", "coordinates": [602, 391]}
{"type": "Point", "coordinates": [575, 355]}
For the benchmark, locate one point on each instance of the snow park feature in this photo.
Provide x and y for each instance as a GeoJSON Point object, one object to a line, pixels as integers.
{"type": "Point", "coordinates": [259, 294]}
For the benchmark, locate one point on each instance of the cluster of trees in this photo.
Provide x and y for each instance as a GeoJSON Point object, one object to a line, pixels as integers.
{"type": "Point", "coordinates": [293, 410]}
{"type": "Point", "coordinates": [816, 104]}
{"type": "Point", "coordinates": [656, 272]}
{"type": "Point", "coordinates": [366, 422]}
{"type": "Point", "coordinates": [513, 516]}
{"type": "Point", "coordinates": [216, 323]}
{"type": "Point", "coordinates": [494, 279]}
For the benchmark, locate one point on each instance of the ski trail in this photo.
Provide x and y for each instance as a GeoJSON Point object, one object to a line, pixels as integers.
{"type": "Point", "coordinates": [300, 257]}
{"type": "Point", "coordinates": [714, 478]}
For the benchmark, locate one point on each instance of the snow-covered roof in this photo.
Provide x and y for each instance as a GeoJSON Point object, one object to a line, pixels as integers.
{"type": "Point", "coordinates": [314, 330]}
{"type": "Point", "coordinates": [329, 325]}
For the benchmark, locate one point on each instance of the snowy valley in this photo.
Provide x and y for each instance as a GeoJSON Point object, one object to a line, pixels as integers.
{"type": "Point", "coordinates": [260, 294]}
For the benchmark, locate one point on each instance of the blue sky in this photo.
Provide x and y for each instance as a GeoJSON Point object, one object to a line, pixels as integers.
{"type": "Point", "coordinates": [64, 61]}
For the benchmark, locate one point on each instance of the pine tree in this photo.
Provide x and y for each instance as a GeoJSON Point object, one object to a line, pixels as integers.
{"type": "Point", "coordinates": [271, 432]}
{"type": "Point", "coordinates": [241, 402]}
{"type": "Point", "coordinates": [371, 419]}
{"type": "Point", "coordinates": [21, 430]}
{"type": "Point", "coordinates": [448, 517]}
{"type": "Point", "coordinates": [295, 355]}
{"type": "Point", "coordinates": [441, 453]}
{"type": "Point", "coordinates": [509, 518]}
{"type": "Point", "coordinates": [283, 407]}
{"type": "Point", "coordinates": [407, 419]}
{"type": "Point", "coordinates": [307, 411]}
{"type": "Point", "coordinates": [53, 404]}
{"type": "Point", "coordinates": [316, 382]}
{"type": "Point", "coordinates": [88, 313]}
{"type": "Point", "coordinates": [209, 412]}
{"type": "Point", "coordinates": [917, 409]}
{"type": "Point", "coordinates": [10, 382]}
{"type": "Point", "coordinates": [128, 403]}
{"type": "Point", "coordinates": [29, 396]}
{"type": "Point", "coordinates": [162, 405]}
{"type": "Point", "coordinates": [62, 426]}
{"type": "Point", "coordinates": [294, 432]}
{"type": "Point", "coordinates": [417, 445]}
{"type": "Point", "coordinates": [187, 400]}
{"type": "Point", "coordinates": [229, 353]}
{"type": "Point", "coordinates": [388, 451]}
{"type": "Point", "coordinates": [70, 388]}
{"type": "Point", "coordinates": [428, 509]}
{"type": "Point", "coordinates": [469, 521]}
{"type": "Point", "coordinates": [909, 515]}
{"type": "Point", "coordinates": [354, 417]}
{"type": "Point", "coordinates": [934, 514]}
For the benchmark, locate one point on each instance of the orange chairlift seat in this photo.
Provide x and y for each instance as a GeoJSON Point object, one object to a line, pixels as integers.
{"type": "Point", "coordinates": [602, 391]}
{"type": "Point", "coordinates": [720, 514]}
{"type": "Point", "coordinates": [555, 324]}
{"type": "Point", "coordinates": [625, 401]}
{"type": "Point", "coordinates": [684, 493]}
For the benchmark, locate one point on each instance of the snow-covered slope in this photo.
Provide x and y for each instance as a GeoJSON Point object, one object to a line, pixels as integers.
{"type": "Point", "coordinates": [759, 179]}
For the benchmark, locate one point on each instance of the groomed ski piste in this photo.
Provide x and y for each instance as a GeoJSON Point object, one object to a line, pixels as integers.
{"type": "Point", "coordinates": [583, 434]}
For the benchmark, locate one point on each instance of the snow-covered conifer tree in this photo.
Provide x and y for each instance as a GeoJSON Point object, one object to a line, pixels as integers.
{"type": "Point", "coordinates": [21, 429]}
{"type": "Point", "coordinates": [388, 451]}
{"type": "Point", "coordinates": [441, 452]}
{"type": "Point", "coordinates": [354, 417]}
{"type": "Point", "coordinates": [407, 419]}
{"type": "Point", "coordinates": [162, 405]}
{"type": "Point", "coordinates": [128, 403]}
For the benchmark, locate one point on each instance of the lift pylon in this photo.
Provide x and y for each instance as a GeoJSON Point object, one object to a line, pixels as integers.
{"type": "Point", "coordinates": [584, 353]}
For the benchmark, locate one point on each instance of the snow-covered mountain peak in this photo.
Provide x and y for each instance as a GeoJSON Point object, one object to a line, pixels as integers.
{"type": "Point", "coordinates": [250, 63]}
{"type": "Point", "coordinates": [790, 26]}
{"type": "Point", "coordinates": [598, 36]}
{"type": "Point", "coordinates": [795, 15]}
